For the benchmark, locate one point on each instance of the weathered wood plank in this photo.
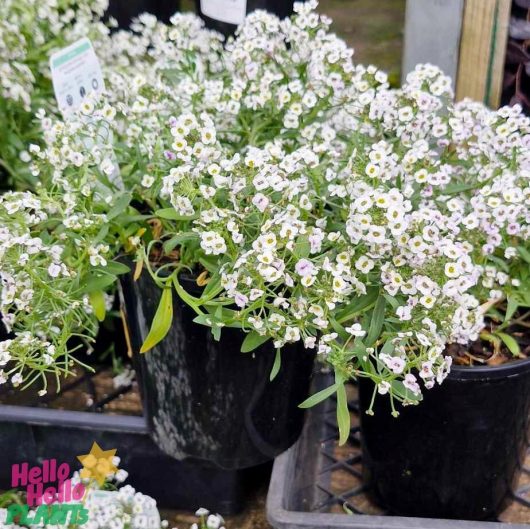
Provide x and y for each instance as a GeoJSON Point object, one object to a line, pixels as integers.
{"type": "Point", "coordinates": [482, 50]}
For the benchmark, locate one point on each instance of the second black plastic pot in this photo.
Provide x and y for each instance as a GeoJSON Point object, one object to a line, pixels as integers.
{"type": "Point", "coordinates": [455, 455]}
{"type": "Point", "coordinates": [205, 400]}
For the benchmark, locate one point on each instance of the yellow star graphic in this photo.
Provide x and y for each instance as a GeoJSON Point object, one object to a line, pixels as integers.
{"type": "Point", "coordinates": [97, 464]}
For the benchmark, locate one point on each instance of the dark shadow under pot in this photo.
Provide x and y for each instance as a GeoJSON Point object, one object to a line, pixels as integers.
{"type": "Point", "coordinates": [205, 400]}
{"type": "Point", "coordinates": [456, 454]}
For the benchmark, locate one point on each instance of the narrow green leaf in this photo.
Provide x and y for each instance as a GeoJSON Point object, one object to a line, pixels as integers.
{"type": "Point", "coordinates": [358, 305]}
{"type": "Point", "coordinates": [388, 348]}
{"type": "Point", "coordinates": [394, 303]}
{"type": "Point", "coordinates": [343, 414]}
{"type": "Point", "coordinates": [212, 288]}
{"type": "Point", "coordinates": [93, 282]}
{"type": "Point", "coordinates": [524, 253]}
{"type": "Point", "coordinates": [216, 332]}
{"type": "Point", "coordinates": [172, 243]}
{"type": "Point", "coordinates": [277, 364]}
{"type": "Point", "coordinates": [376, 321]}
{"type": "Point", "coordinates": [302, 247]}
{"type": "Point", "coordinates": [97, 300]}
{"type": "Point", "coordinates": [252, 341]}
{"type": "Point", "coordinates": [211, 265]}
{"type": "Point", "coordinates": [511, 308]}
{"type": "Point", "coordinates": [119, 206]}
{"type": "Point", "coordinates": [204, 319]}
{"type": "Point", "coordinates": [339, 329]}
{"type": "Point", "coordinates": [458, 188]}
{"type": "Point", "coordinates": [317, 398]}
{"type": "Point", "coordinates": [103, 232]}
{"type": "Point", "coordinates": [161, 322]}
{"type": "Point", "coordinates": [172, 214]}
{"type": "Point", "coordinates": [115, 268]}
{"type": "Point", "coordinates": [192, 301]}
{"type": "Point", "coordinates": [510, 342]}
{"type": "Point", "coordinates": [400, 391]}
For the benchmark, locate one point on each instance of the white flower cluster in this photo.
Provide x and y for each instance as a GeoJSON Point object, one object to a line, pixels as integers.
{"type": "Point", "coordinates": [42, 301]}
{"type": "Point", "coordinates": [29, 31]}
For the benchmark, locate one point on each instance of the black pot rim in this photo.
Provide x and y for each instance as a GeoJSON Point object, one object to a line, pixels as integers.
{"type": "Point", "coordinates": [509, 369]}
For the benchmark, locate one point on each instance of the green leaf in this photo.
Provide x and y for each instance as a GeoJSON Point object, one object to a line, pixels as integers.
{"type": "Point", "coordinates": [192, 301]}
{"type": "Point", "coordinates": [204, 319]}
{"type": "Point", "coordinates": [277, 364]}
{"type": "Point", "coordinates": [376, 322]}
{"type": "Point", "coordinates": [510, 342]}
{"type": "Point", "coordinates": [93, 282]}
{"type": "Point", "coordinates": [216, 332]}
{"type": "Point", "coordinates": [172, 243]}
{"type": "Point", "coordinates": [511, 308]}
{"type": "Point", "coordinates": [211, 264]}
{"type": "Point", "coordinates": [161, 322]}
{"type": "Point", "coordinates": [103, 232]}
{"type": "Point", "coordinates": [172, 214]}
{"type": "Point", "coordinates": [501, 263]}
{"type": "Point", "coordinates": [339, 329]}
{"type": "Point", "coordinates": [524, 253]}
{"type": "Point", "coordinates": [252, 341]}
{"type": "Point", "coordinates": [358, 305]}
{"type": "Point", "coordinates": [403, 393]}
{"type": "Point", "coordinates": [119, 206]}
{"type": "Point", "coordinates": [317, 398]}
{"type": "Point", "coordinates": [97, 300]}
{"type": "Point", "coordinates": [115, 268]}
{"type": "Point", "coordinates": [302, 247]}
{"type": "Point", "coordinates": [458, 188]}
{"type": "Point", "coordinates": [394, 303]}
{"type": "Point", "coordinates": [212, 288]}
{"type": "Point", "coordinates": [343, 414]}
{"type": "Point", "coordinates": [388, 348]}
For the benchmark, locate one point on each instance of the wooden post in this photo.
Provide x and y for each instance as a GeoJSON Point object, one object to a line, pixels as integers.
{"type": "Point", "coordinates": [483, 50]}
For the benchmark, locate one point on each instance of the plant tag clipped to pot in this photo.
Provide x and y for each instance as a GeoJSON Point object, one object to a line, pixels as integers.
{"type": "Point", "coordinates": [75, 73]}
{"type": "Point", "coordinates": [230, 11]}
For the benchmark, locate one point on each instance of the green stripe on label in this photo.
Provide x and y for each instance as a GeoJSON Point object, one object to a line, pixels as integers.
{"type": "Point", "coordinates": [85, 46]}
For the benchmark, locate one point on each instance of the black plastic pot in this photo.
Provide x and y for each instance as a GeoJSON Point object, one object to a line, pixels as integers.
{"type": "Point", "coordinates": [125, 10]}
{"type": "Point", "coordinates": [456, 454]}
{"type": "Point", "coordinates": [281, 8]}
{"type": "Point", "coordinates": [205, 400]}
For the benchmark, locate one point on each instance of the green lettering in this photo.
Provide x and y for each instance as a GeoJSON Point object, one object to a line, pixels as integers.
{"type": "Point", "coordinates": [42, 514]}
{"type": "Point", "coordinates": [14, 512]}
{"type": "Point", "coordinates": [79, 515]}
{"type": "Point", "coordinates": [59, 514]}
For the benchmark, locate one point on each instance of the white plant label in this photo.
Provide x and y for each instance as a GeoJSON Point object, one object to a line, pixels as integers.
{"type": "Point", "coordinates": [75, 73]}
{"type": "Point", "coordinates": [231, 11]}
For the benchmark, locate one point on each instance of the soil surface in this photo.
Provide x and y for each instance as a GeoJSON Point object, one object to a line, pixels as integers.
{"type": "Point", "coordinates": [491, 349]}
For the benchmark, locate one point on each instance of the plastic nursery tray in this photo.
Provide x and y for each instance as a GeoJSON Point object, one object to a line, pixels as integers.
{"type": "Point", "coordinates": [89, 409]}
{"type": "Point", "coordinates": [315, 480]}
